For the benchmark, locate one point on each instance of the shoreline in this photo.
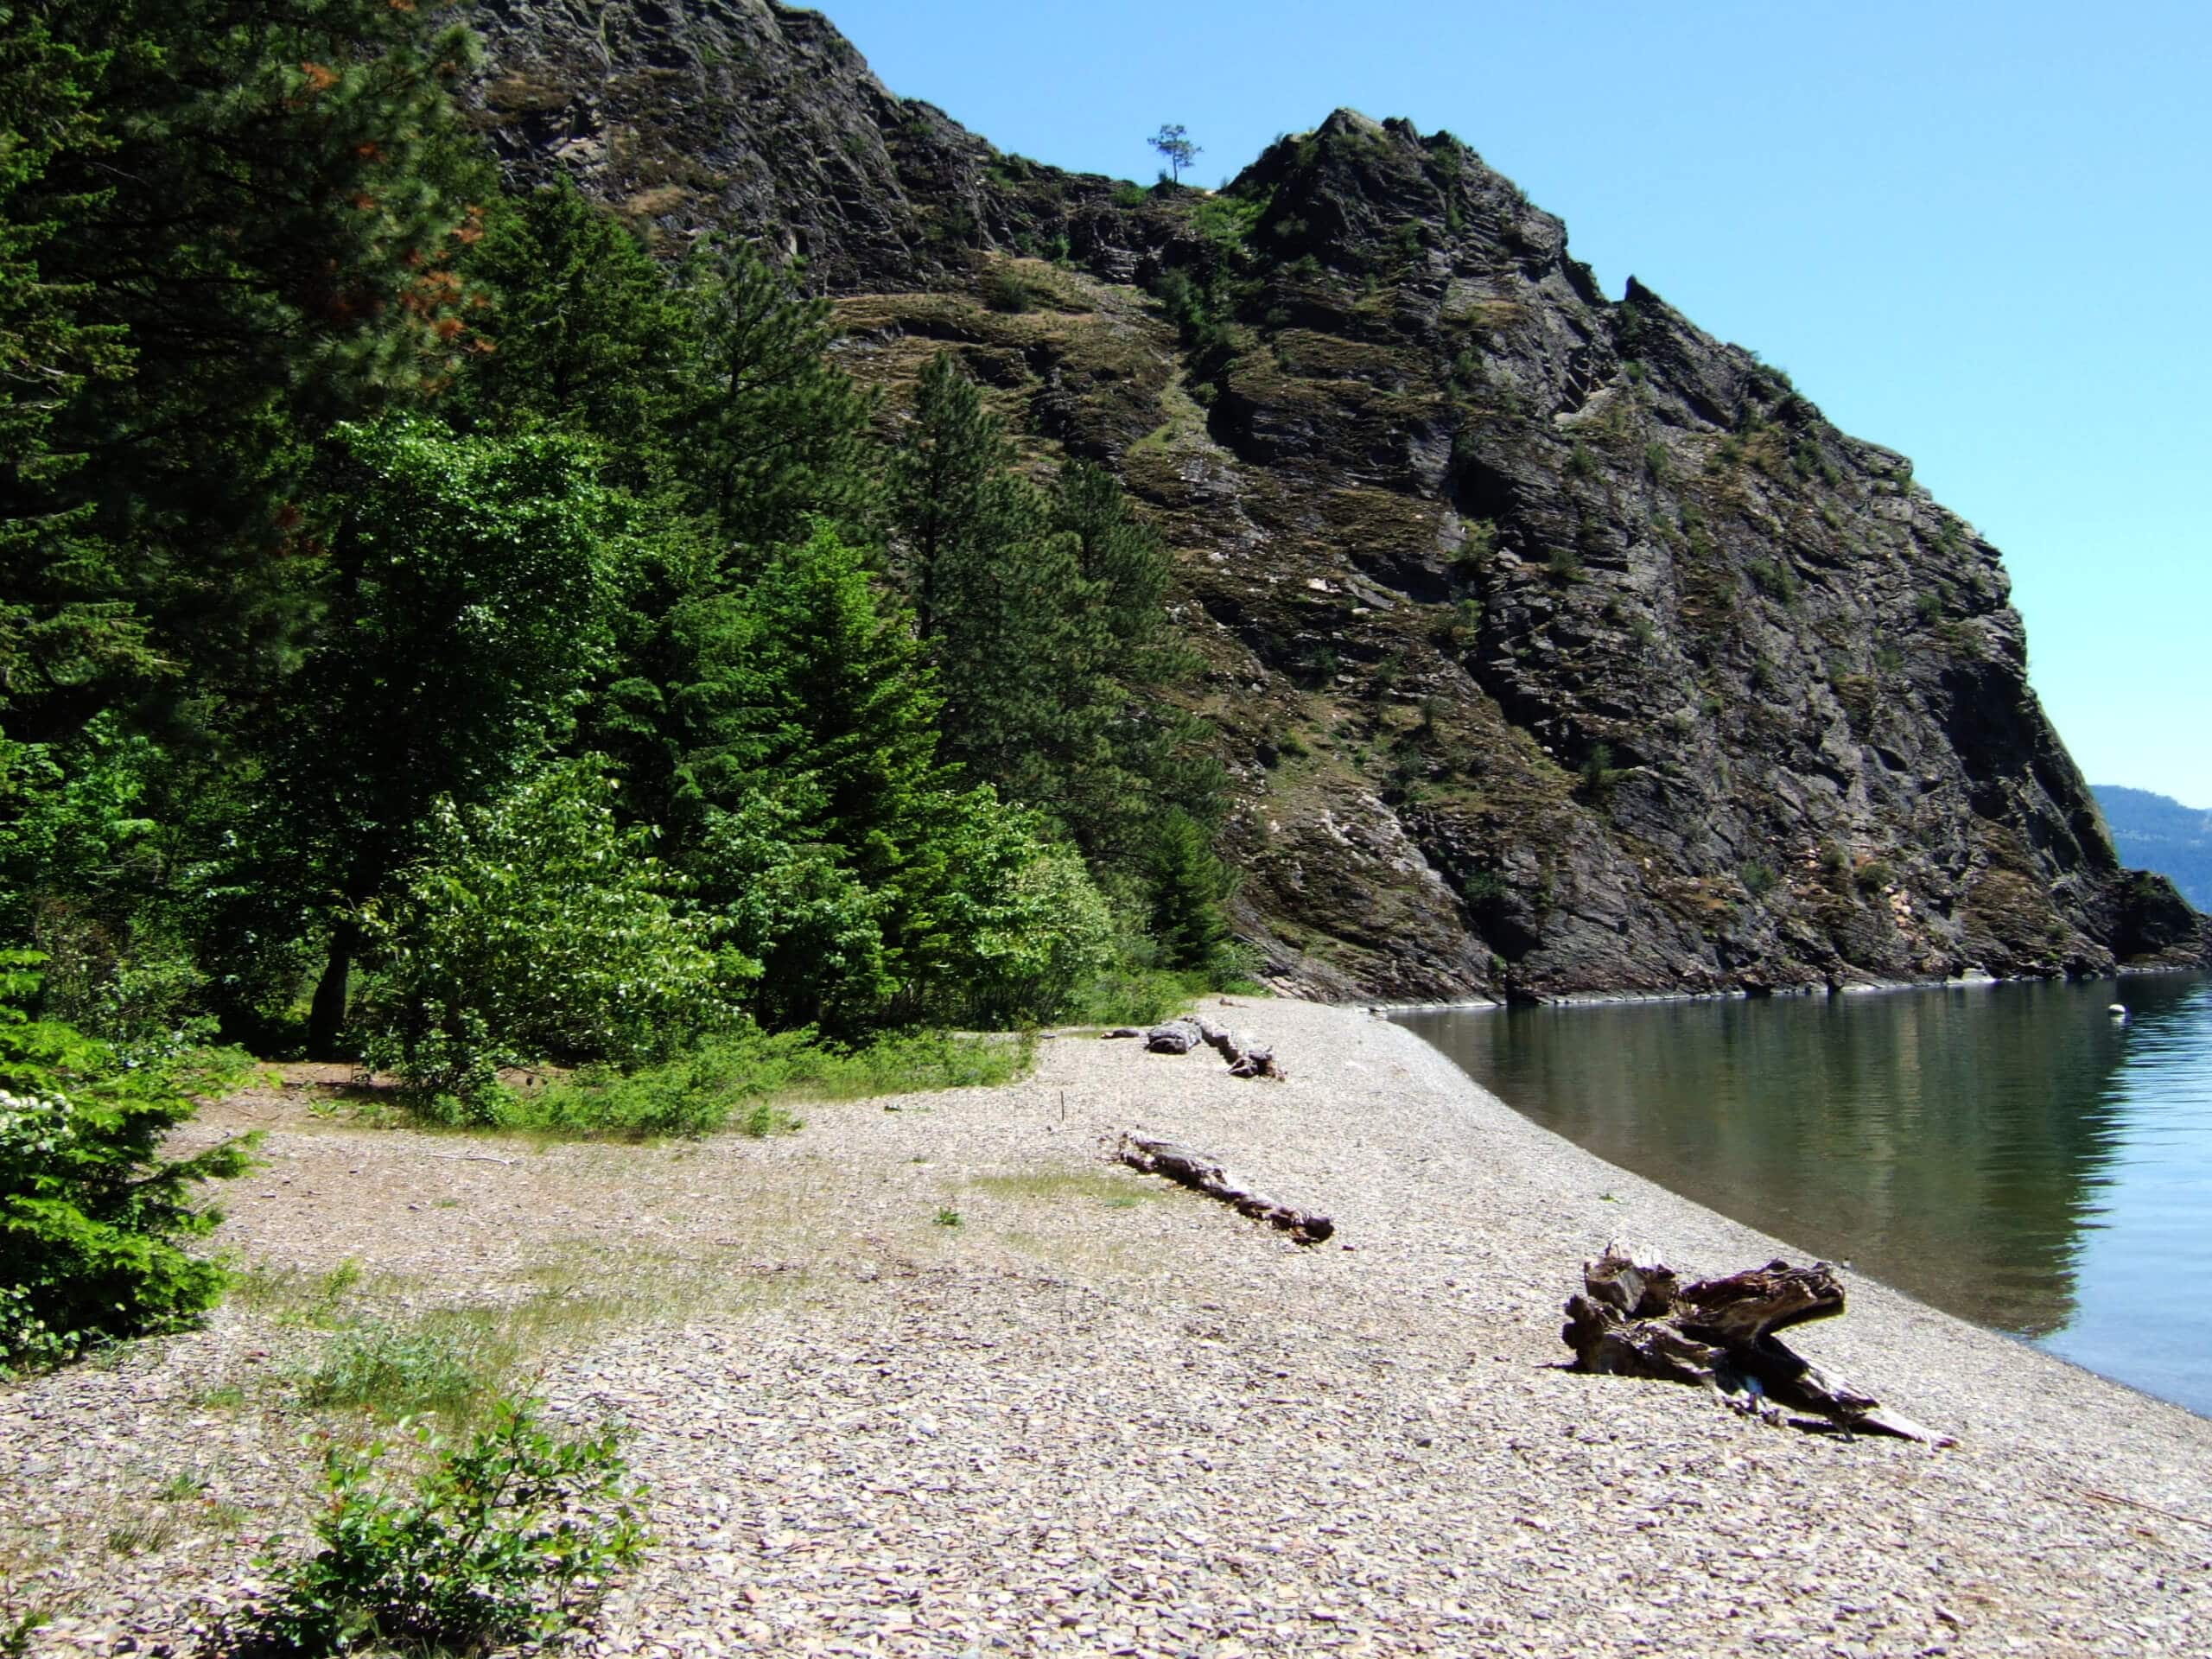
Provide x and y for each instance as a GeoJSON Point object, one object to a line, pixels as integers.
{"type": "Point", "coordinates": [1810, 989]}
{"type": "Point", "coordinates": [1092, 1413]}
{"type": "Point", "coordinates": [1859, 1283]}
{"type": "Point", "coordinates": [1921, 1283]}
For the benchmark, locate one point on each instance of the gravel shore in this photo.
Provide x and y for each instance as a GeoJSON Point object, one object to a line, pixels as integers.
{"type": "Point", "coordinates": [933, 1376]}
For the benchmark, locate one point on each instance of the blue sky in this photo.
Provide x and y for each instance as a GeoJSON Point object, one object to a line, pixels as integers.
{"type": "Point", "coordinates": [1979, 233]}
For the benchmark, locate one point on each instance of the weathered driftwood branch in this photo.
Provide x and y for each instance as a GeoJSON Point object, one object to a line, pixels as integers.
{"type": "Point", "coordinates": [1636, 1318]}
{"type": "Point", "coordinates": [1181, 1036]}
{"type": "Point", "coordinates": [1173, 1037]}
{"type": "Point", "coordinates": [1196, 1171]}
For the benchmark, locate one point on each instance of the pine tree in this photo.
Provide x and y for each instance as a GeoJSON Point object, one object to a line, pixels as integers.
{"type": "Point", "coordinates": [1128, 566]}
{"type": "Point", "coordinates": [585, 329]}
{"type": "Point", "coordinates": [839, 848]}
{"type": "Point", "coordinates": [828, 703]}
{"type": "Point", "coordinates": [1009, 620]}
{"type": "Point", "coordinates": [758, 434]}
{"type": "Point", "coordinates": [1151, 755]}
{"type": "Point", "coordinates": [264, 211]}
{"type": "Point", "coordinates": [59, 627]}
{"type": "Point", "coordinates": [766, 431]}
{"type": "Point", "coordinates": [813, 781]}
{"type": "Point", "coordinates": [947, 488]}
{"type": "Point", "coordinates": [1046, 617]}
{"type": "Point", "coordinates": [1189, 886]}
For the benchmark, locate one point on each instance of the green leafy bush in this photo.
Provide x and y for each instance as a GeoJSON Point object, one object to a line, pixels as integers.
{"type": "Point", "coordinates": [1005, 290]}
{"type": "Point", "coordinates": [1130, 994]}
{"type": "Point", "coordinates": [92, 1217]}
{"type": "Point", "coordinates": [1013, 925]}
{"type": "Point", "coordinates": [509, 1538]}
{"type": "Point", "coordinates": [791, 899]}
{"type": "Point", "coordinates": [536, 927]}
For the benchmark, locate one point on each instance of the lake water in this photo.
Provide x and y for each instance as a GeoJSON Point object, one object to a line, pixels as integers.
{"type": "Point", "coordinates": [2009, 1153]}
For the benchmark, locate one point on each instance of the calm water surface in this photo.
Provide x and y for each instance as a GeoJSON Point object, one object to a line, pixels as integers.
{"type": "Point", "coordinates": [2009, 1153]}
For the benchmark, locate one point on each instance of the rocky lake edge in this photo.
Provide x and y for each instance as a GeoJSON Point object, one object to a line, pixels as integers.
{"type": "Point", "coordinates": [935, 1375]}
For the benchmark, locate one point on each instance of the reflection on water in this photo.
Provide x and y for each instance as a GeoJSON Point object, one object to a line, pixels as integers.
{"type": "Point", "coordinates": [2009, 1153]}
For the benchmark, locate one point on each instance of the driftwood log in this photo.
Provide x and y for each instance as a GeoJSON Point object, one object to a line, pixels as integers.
{"type": "Point", "coordinates": [1204, 1174]}
{"type": "Point", "coordinates": [1637, 1318]}
{"type": "Point", "coordinates": [1181, 1036]}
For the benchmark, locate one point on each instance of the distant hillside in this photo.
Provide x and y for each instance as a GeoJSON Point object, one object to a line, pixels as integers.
{"type": "Point", "coordinates": [2156, 832]}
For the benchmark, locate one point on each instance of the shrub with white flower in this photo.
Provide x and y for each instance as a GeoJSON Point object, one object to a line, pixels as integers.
{"type": "Point", "coordinates": [93, 1220]}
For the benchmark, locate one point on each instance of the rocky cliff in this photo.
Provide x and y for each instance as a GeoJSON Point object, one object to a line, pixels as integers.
{"type": "Point", "coordinates": [1555, 645]}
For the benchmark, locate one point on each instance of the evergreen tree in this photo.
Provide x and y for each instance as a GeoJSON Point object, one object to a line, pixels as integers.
{"type": "Point", "coordinates": [1152, 756]}
{"type": "Point", "coordinates": [261, 202]}
{"type": "Point", "coordinates": [585, 329]}
{"type": "Point", "coordinates": [1046, 617]}
{"type": "Point", "coordinates": [1128, 566]}
{"type": "Point", "coordinates": [58, 627]}
{"type": "Point", "coordinates": [766, 431]}
{"type": "Point", "coordinates": [949, 494]}
{"type": "Point", "coordinates": [1189, 887]}
{"type": "Point", "coordinates": [816, 718]}
{"type": "Point", "coordinates": [837, 846]}
{"type": "Point", "coordinates": [1009, 620]}
{"type": "Point", "coordinates": [827, 700]}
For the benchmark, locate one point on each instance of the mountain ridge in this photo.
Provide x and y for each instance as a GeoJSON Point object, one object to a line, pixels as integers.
{"type": "Point", "coordinates": [1555, 646]}
{"type": "Point", "coordinates": [2158, 833]}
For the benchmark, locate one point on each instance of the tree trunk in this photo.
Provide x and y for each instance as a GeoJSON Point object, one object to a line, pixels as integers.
{"type": "Point", "coordinates": [1201, 1173]}
{"type": "Point", "coordinates": [1182, 1035]}
{"type": "Point", "coordinates": [326, 1013]}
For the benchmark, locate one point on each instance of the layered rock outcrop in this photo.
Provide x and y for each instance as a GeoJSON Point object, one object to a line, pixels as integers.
{"type": "Point", "coordinates": [1555, 645]}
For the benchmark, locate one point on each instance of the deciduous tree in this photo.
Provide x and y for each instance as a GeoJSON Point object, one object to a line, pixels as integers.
{"type": "Point", "coordinates": [474, 581]}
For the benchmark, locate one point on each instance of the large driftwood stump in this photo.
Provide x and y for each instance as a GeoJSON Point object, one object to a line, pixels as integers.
{"type": "Point", "coordinates": [1204, 1174]}
{"type": "Point", "coordinates": [1637, 1318]}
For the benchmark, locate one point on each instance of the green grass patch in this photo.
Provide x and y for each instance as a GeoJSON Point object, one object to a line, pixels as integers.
{"type": "Point", "coordinates": [445, 1364]}
{"type": "Point", "coordinates": [295, 1296]}
{"type": "Point", "coordinates": [747, 1082]}
{"type": "Point", "coordinates": [454, 1362]}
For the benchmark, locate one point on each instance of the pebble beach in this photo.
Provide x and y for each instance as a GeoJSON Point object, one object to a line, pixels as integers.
{"type": "Point", "coordinates": [935, 1375]}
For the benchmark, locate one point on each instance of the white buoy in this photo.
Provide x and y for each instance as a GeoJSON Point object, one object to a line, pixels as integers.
{"type": "Point", "coordinates": [2118, 1010]}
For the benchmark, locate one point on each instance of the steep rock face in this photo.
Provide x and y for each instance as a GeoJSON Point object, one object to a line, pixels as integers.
{"type": "Point", "coordinates": [1555, 646]}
